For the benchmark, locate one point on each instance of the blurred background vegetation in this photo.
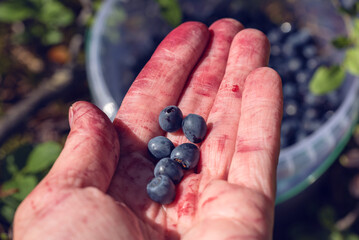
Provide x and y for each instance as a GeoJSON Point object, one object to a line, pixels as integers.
{"type": "Point", "coordinates": [42, 72]}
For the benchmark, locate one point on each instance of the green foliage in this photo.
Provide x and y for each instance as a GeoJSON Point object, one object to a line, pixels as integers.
{"type": "Point", "coordinates": [351, 61]}
{"type": "Point", "coordinates": [354, 34]}
{"type": "Point", "coordinates": [24, 168]}
{"type": "Point", "coordinates": [23, 185]}
{"type": "Point", "coordinates": [342, 42]}
{"type": "Point", "coordinates": [4, 236]}
{"type": "Point", "coordinates": [13, 11]}
{"type": "Point", "coordinates": [54, 14]}
{"type": "Point", "coordinates": [352, 236]}
{"type": "Point", "coordinates": [42, 157]}
{"type": "Point", "coordinates": [43, 19]}
{"type": "Point", "coordinates": [336, 236]}
{"type": "Point", "coordinates": [171, 11]}
{"type": "Point", "coordinates": [353, 11]}
{"type": "Point", "coordinates": [326, 217]}
{"type": "Point", "coordinates": [7, 212]}
{"type": "Point", "coordinates": [52, 37]}
{"type": "Point", "coordinates": [326, 79]}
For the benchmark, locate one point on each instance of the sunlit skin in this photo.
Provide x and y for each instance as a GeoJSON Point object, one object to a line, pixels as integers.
{"type": "Point", "coordinates": [97, 187]}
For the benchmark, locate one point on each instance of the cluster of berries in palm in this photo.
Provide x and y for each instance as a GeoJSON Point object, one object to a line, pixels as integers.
{"type": "Point", "coordinates": [173, 161]}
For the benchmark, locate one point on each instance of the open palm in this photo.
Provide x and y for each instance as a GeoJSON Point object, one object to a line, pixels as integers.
{"type": "Point", "coordinates": [97, 187]}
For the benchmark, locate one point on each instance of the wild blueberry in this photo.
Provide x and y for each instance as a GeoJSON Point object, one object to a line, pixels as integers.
{"type": "Point", "coordinates": [294, 64]}
{"type": "Point", "coordinates": [275, 36]}
{"type": "Point", "coordinates": [170, 119]}
{"type": "Point", "coordinates": [310, 126]}
{"type": "Point", "coordinates": [160, 147]}
{"type": "Point", "coordinates": [170, 168]}
{"type": "Point", "coordinates": [313, 100]}
{"type": "Point", "coordinates": [161, 189]}
{"type": "Point", "coordinates": [187, 154]}
{"type": "Point", "coordinates": [309, 51]}
{"type": "Point", "coordinates": [194, 128]}
{"type": "Point", "coordinates": [290, 108]}
{"type": "Point", "coordinates": [289, 90]}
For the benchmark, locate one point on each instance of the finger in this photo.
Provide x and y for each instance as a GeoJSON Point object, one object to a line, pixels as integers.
{"type": "Point", "coordinates": [257, 144]}
{"type": "Point", "coordinates": [198, 98]}
{"type": "Point", "coordinates": [160, 83]}
{"type": "Point", "coordinates": [91, 151]}
{"type": "Point", "coordinates": [249, 50]}
{"type": "Point", "coordinates": [201, 89]}
{"type": "Point", "coordinates": [245, 212]}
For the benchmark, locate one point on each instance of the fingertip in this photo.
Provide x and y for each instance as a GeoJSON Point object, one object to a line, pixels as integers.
{"type": "Point", "coordinates": [265, 73]}
{"type": "Point", "coordinates": [91, 151]}
{"type": "Point", "coordinates": [254, 42]}
{"type": "Point", "coordinates": [82, 110]}
{"type": "Point", "coordinates": [193, 28]}
{"type": "Point", "coordinates": [225, 22]}
{"type": "Point", "coordinates": [194, 24]}
{"type": "Point", "coordinates": [71, 116]}
{"type": "Point", "coordinates": [73, 110]}
{"type": "Point", "coordinates": [268, 77]}
{"type": "Point", "coordinates": [252, 34]}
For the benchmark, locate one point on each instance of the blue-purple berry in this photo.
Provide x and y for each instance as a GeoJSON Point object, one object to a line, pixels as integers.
{"type": "Point", "coordinates": [194, 128]}
{"type": "Point", "coordinates": [186, 154]}
{"type": "Point", "coordinates": [170, 168]}
{"type": "Point", "coordinates": [160, 147]}
{"type": "Point", "coordinates": [170, 119]}
{"type": "Point", "coordinates": [161, 189]}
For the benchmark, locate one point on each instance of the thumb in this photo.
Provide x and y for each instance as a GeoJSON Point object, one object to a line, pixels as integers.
{"type": "Point", "coordinates": [91, 151]}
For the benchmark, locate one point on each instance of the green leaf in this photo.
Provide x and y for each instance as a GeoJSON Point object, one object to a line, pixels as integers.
{"type": "Point", "coordinates": [55, 14]}
{"type": "Point", "coordinates": [13, 11]}
{"type": "Point", "coordinates": [354, 33]}
{"type": "Point", "coordinates": [23, 183]}
{"type": "Point", "coordinates": [342, 42]}
{"type": "Point", "coordinates": [351, 61]}
{"type": "Point", "coordinates": [11, 166]}
{"type": "Point", "coordinates": [352, 236]}
{"type": "Point", "coordinates": [42, 157]}
{"type": "Point", "coordinates": [52, 37]}
{"type": "Point", "coordinates": [37, 30]}
{"type": "Point", "coordinates": [351, 10]}
{"type": "Point", "coordinates": [171, 11]}
{"type": "Point", "coordinates": [97, 5]}
{"type": "Point", "coordinates": [4, 236]}
{"type": "Point", "coordinates": [14, 161]}
{"type": "Point", "coordinates": [326, 79]}
{"type": "Point", "coordinates": [336, 236]}
{"type": "Point", "coordinates": [8, 213]}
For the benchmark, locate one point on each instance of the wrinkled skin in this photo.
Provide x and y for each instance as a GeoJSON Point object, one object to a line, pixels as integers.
{"type": "Point", "coordinates": [97, 187]}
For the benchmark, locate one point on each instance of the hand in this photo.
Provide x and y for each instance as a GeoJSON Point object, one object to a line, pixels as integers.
{"type": "Point", "coordinates": [97, 187]}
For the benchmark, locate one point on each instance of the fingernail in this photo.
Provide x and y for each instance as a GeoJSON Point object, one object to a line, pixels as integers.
{"type": "Point", "coordinates": [71, 115]}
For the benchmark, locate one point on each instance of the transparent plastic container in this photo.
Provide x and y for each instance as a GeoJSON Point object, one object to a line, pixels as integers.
{"type": "Point", "coordinates": [126, 33]}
